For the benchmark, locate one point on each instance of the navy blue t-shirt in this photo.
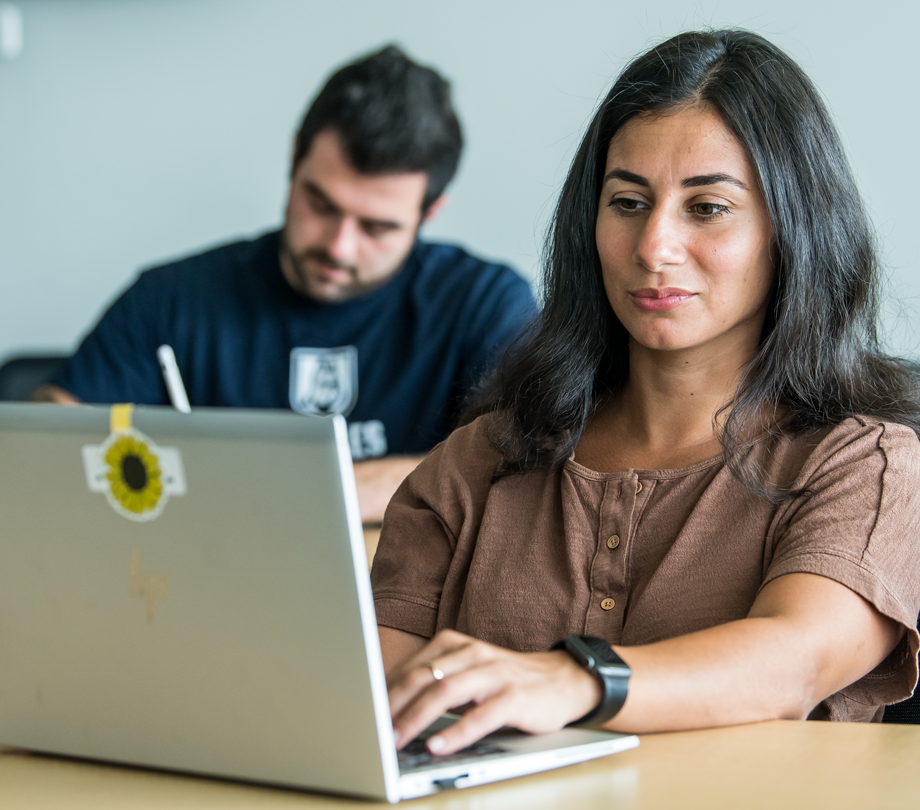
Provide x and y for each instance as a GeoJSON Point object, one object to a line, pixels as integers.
{"type": "Point", "coordinates": [398, 362]}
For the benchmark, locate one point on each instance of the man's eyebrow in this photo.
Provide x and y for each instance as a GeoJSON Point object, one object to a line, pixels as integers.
{"type": "Point", "coordinates": [311, 188]}
{"type": "Point", "coordinates": [712, 180]}
{"type": "Point", "coordinates": [382, 224]}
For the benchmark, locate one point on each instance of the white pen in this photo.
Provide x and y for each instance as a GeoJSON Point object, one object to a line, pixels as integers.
{"type": "Point", "coordinates": [173, 378]}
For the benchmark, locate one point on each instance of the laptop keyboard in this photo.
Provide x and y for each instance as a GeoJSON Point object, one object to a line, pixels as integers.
{"type": "Point", "coordinates": [415, 755]}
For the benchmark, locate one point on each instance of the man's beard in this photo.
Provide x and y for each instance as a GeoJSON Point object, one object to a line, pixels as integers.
{"type": "Point", "coordinates": [295, 267]}
{"type": "Point", "coordinates": [303, 281]}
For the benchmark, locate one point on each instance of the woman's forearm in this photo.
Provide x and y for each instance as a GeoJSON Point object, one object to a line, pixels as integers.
{"type": "Point", "coordinates": [805, 638]}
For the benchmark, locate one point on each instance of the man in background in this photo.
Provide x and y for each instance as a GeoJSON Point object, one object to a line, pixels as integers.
{"type": "Point", "coordinates": [344, 310]}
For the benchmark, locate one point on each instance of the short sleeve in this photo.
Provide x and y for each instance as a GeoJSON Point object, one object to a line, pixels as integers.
{"type": "Point", "coordinates": [438, 507]}
{"type": "Point", "coordinates": [858, 523]}
{"type": "Point", "coordinates": [117, 361]}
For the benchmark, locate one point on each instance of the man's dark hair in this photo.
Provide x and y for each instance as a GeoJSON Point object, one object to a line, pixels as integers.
{"type": "Point", "coordinates": [393, 115]}
{"type": "Point", "coordinates": [819, 359]}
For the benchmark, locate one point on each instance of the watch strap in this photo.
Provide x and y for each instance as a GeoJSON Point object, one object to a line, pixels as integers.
{"type": "Point", "coordinates": [611, 672]}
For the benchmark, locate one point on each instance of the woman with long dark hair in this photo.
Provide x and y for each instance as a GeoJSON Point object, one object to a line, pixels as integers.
{"type": "Point", "coordinates": [698, 470]}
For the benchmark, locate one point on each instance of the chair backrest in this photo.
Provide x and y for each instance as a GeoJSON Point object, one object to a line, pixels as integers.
{"type": "Point", "coordinates": [907, 711]}
{"type": "Point", "coordinates": [22, 374]}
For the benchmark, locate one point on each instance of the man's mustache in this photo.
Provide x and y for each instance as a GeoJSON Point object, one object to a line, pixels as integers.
{"type": "Point", "coordinates": [322, 257]}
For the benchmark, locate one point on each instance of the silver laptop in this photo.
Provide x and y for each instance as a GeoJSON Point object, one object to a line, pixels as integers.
{"type": "Point", "coordinates": [190, 592]}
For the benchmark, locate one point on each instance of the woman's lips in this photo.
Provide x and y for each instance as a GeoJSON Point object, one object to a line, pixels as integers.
{"type": "Point", "coordinates": [656, 300]}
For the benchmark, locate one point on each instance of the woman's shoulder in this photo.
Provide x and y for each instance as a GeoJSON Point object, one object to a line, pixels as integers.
{"type": "Point", "coordinates": [797, 458]}
{"type": "Point", "coordinates": [472, 441]}
{"type": "Point", "coordinates": [452, 481]}
{"type": "Point", "coordinates": [869, 435]}
{"type": "Point", "coordinates": [467, 455]}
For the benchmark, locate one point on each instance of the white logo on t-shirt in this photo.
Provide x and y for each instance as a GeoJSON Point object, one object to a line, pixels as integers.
{"type": "Point", "coordinates": [367, 439]}
{"type": "Point", "coordinates": [324, 381]}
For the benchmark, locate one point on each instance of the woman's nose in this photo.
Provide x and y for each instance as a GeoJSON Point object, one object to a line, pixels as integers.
{"type": "Point", "coordinates": [661, 240]}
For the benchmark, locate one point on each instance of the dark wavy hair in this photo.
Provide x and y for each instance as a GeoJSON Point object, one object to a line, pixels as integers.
{"type": "Point", "coordinates": [393, 114]}
{"type": "Point", "coordinates": [819, 359]}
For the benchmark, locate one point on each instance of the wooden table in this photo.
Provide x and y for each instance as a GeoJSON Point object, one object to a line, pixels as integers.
{"type": "Point", "coordinates": [783, 765]}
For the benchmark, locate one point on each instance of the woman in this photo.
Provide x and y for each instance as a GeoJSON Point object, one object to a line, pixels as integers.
{"type": "Point", "coordinates": [699, 457]}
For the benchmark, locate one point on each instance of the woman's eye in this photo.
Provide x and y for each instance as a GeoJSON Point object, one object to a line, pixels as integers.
{"type": "Point", "coordinates": [626, 205]}
{"type": "Point", "coordinates": [709, 210]}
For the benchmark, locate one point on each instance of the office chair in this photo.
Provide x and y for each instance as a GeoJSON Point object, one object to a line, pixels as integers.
{"type": "Point", "coordinates": [907, 711]}
{"type": "Point", "coordinates": [22, 374]}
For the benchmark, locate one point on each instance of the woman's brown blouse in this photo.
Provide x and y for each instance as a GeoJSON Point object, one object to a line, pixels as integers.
{"type": "Point", "coordinates": [639, 556]}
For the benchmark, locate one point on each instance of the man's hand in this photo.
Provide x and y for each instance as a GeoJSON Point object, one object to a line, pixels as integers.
{"type": "Point", "coordinates": [54, 393]}
{"type": "Point", "coordinates": [377, 480]}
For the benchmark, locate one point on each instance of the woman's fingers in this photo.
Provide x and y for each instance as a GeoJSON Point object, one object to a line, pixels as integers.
{"type": "Point", "coordinates": [448, 652]}
{"type": "Point", "coordinates": [442, 643]}
{"type": "Point", "coordinates": [417, 688]}
{"type": "Point", "coordinates": [479, 685]}
{"type": "Point", "coordinates": [534, 692]}
{"type": "Point", "coordinates": [475, 724]}
{"type": "Point", "coordinates": [427, 686]}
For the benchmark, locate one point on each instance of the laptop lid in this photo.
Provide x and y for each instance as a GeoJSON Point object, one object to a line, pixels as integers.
{"type": "Point", "coordinates": [190, 591]}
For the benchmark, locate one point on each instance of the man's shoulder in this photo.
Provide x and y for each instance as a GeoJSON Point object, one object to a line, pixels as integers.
{"type": "Point", "coordinates": [437, 256]}
{"type": "Point", "coordinates": [444, 268]}
{"type": "Point", "coordinates": [243, 254]}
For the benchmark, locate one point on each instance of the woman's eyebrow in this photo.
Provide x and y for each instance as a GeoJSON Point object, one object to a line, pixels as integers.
{"type": "Point", "coordinates": [712, 180]}
{"type": "Point", "coordinates": [690, 182]}
{"type": "Point", "coordinates": [625, 176]}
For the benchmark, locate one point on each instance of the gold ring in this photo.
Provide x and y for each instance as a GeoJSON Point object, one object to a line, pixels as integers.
{"type": "Point", "coordinates": [436, 673]}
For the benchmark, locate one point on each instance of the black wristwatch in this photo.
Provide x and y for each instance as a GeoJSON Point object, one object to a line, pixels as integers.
{"type": "Point", "coordinates": [611, 671]}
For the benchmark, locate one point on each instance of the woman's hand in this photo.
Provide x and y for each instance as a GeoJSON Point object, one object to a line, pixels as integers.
{"type": "Point", "coordinates": [533, 692]}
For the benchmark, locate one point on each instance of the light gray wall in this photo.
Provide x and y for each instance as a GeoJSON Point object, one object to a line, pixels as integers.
{"type": "Point", "coordinates": [133, 131]}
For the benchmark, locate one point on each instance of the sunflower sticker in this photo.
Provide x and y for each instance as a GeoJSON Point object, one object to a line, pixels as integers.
{"type": "Point", "coordinates": [136, 476]}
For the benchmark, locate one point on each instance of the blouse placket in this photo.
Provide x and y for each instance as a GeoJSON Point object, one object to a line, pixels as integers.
{"type": "Point", "coordinates": [609, 582]}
